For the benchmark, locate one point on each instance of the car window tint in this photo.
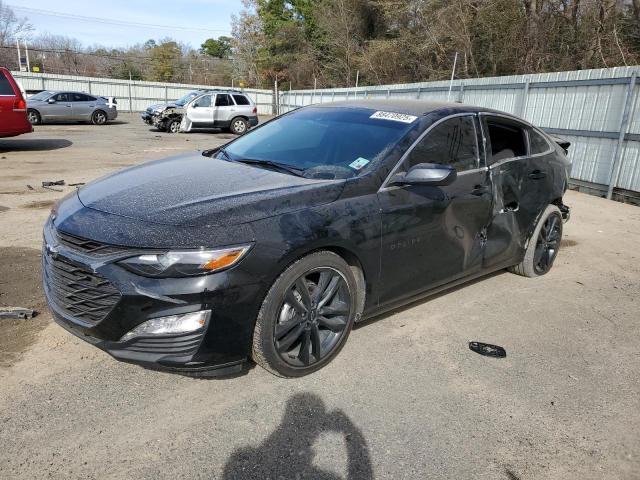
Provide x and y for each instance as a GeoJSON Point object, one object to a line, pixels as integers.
{"type": "Point", "coordinates": [5, 86]}
{"type": "Point", "coordinates": [204, 101]}
{"type": "Point", "coordinates": [62, 97]}
{"type": "Point", "coordinates": [507, 140]}
{"type": "Point", "coordinates": [453, 142]}
{"type": "Point", "coordinates": [241, 100]}
{"type": "Point", "coordinates": [223, 100]}
{"type": "Point", "coordinates": [537, 143]}
{"type": "Point", "coordinates": [79, 97]}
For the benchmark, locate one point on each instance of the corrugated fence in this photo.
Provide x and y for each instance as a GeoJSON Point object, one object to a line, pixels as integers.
{"type": "Point", "coordinates": [597, 110]}
{"type": "Point", "coordinates": [132, 96]}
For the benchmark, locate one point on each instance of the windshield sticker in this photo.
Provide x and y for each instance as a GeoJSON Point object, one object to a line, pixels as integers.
{"type": "Point", "coordinates": [359, 163]}
{"type": "Point", "coordinates": [396, 117]}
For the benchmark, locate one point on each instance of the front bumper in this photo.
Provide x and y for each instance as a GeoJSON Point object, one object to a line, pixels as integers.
{"type": "Point", "coordinates": [98, 301]}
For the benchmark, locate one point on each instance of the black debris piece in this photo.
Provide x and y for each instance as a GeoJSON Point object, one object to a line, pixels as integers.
{"type": "Point", "coordinates": [50, 184]}
{"type": "Point", "coordinates": [487, 349]}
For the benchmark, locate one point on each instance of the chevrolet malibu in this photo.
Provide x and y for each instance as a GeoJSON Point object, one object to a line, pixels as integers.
{"type": "Point", "coordinates": [271, 247]}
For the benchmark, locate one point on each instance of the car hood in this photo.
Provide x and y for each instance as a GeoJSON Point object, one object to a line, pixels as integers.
{"type": "Point", "coordinates": [160, 107]}
{"type": "Point", "coordinates": [194, 190]}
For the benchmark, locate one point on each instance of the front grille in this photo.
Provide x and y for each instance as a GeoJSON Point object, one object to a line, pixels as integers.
{"type": "Point", "coordinates": [78, 291]}
{"type": "Point", "coordinates": [84, 245]}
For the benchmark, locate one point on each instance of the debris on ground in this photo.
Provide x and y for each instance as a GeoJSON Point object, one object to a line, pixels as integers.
{"type": "Point", "coordinates": [487, 349]}
{"type": "Point", "coordinates": [51, 184]}
{"type": "Point", "coordinates": [76, 184]}
{"type": "Point", "coordinates": [17, 313]}
{"type": "Point", "coordinates": [30, 187]}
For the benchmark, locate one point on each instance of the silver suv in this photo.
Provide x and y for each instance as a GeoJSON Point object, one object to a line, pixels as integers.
{"type": "Point", "coordinates": [50, 106]}
{"type": "Point", "coordinates": [230, 110]}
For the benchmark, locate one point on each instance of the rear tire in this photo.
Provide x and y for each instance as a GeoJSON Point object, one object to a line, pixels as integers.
{"type": "Point", "coordinates": [34, 117]}
{"type": "Point", "coordinates": [300, 331]}
{"type": "Point", "coordinates": [543, 246]}
{"type": "Point", "coordinates": [239, 126]}
{"type": "Point", "coordinates": [99, 117]}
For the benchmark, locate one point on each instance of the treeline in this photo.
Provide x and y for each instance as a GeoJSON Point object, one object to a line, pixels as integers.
{"type": "Point", "coordinates": [395, 41]}
{"type": "Point", "coordinates": [162, 60]}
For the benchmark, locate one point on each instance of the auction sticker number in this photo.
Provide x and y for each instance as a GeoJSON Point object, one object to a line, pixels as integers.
{"type": "Point", "coordinates": [396, 117]}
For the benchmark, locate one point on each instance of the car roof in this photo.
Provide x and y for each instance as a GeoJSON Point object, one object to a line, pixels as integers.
{"type": "Point", "coordinates": [412, 107]}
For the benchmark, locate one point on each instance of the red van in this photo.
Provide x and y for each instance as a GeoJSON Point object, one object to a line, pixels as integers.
{"type": "Point", "coordinates": [13, 107]}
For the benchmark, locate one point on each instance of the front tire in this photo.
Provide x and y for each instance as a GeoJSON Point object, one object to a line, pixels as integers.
{"type": "Point", "coordinates": [306, 316]}
{"type": "Point", "coordinates": [239, 126]}
{"type": "Point", "coordinates": [173, 126]}
{"type": "Point", "coordinates": [543, 246]}
{"type": "Point", "coordinates": [99, 117]}
{"type": "Point", "coordinates": [33, 117]}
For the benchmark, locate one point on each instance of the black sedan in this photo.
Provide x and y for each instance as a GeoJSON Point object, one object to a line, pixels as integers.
{"type": "Point", "coordinates": [271, 247]}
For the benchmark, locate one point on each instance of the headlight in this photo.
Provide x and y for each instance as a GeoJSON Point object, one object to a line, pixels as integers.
{"type": "Point", "coordinates": [185, 263]}
{"type": "Point", "coordinates": [173, 325]}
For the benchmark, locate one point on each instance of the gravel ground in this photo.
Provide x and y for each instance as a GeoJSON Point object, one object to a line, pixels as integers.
{"type": "Point", "coordinates": [406, 398]}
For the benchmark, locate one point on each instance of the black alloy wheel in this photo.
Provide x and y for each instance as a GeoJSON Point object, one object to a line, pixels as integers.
{"type": "Point", "coordinates": [314, 315]}
{"type": "Point", "coordinates": [547, 244]}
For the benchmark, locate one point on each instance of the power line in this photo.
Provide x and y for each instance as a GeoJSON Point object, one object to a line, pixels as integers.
{"type": "Point", "coordinates": [111, 21]}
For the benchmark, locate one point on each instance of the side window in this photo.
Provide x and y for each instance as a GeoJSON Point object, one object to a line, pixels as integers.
{"type": "Point", "coordinates": [507, 140]}
{"type": "Point", "coordinates": [204, 101]}
{"type": "Point", "coordinates": [79, 97]}
{"type": "Point", "coordinates": [223, 100]}
{"type": "Point", "coordinates": [5, 86]}
{"type": "Point", "coordinates": [62, 97]}
{"type": "Point", "coordinates": [537, 143]}
{"type": "Point", "coordinates": [241, 100]}
{"type": "Point", "coordinates": [454, 142]}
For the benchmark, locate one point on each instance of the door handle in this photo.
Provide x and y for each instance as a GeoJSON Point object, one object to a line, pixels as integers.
{"type": "Point", "coordinates": [537, 175]}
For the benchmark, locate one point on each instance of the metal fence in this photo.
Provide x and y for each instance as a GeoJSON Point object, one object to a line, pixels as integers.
{"type": "Point", "coordinates": [597, 110]}
{"type": "Point", "coordinates": [132, 95]}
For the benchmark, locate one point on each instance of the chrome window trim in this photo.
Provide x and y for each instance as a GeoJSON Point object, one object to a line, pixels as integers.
{"type": "Point", "coordinates": [419, 139]}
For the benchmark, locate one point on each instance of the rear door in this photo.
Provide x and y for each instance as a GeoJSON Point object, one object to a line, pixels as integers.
{"type": "Point", "coordinates": [60, 110]}
{"type": "Point", "coordinates": [82, 106]}
{"type": "Point", "coordinates": [519, 180]}
{"type": "Point", "coordinates": [225, 110]}
{"type": "Point", "coordinates": [434, 235]}
{"type": "Point", "coordinates": [243, 105]}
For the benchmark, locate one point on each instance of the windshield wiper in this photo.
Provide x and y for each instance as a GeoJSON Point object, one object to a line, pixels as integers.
{"type": "Point", "coordinates": [269, 163]}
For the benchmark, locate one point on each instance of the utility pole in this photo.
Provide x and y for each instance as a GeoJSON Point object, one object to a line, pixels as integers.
{"type": "Point", "coordinates": [453, 73]}
{"type": "Point", "coordinates": [19, 58]}
{"type": "Point", "coordinates": [355, 93]}
{"type": "Point", "coordinates": [26, 50]}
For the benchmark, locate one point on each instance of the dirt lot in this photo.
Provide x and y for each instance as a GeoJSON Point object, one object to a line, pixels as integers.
{"type": "Point", "coordinates": [406, 398]}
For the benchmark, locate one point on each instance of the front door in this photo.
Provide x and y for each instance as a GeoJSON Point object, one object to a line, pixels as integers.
{"type": "Point", "coordinates": [60, 109]}
{"type": "Point", "coordinates": [200, 111]}
{"type": "Point", "coordinates": [434, 235]}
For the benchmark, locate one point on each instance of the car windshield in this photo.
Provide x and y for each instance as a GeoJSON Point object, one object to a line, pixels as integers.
{"type": "Point", "coordinates": [324, 142]}
{"type": "Point", "coordinates": [187, 98]}
{"type": "Point", "coordinates": [41, 96]}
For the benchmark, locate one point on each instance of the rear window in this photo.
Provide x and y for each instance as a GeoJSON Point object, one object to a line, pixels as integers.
{"type": "Point", "coordinates": [507, 140]}
{"type": "Point", "coordinates": [537, 143]}
{"type": "Point", "coordinates": [5, 86]}
{"type": "Point", "coordinates": [241, 100]}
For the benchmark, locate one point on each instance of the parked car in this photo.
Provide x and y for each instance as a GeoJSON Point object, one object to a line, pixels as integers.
{"type": "Point", "coordinates": [229, 110]}
{"type": "Point", "coordinates": [13, 107]}
{"type": "Point", "coordinates": [157, 109]}
{"type": "Point", "coordinates": [55, 106]}
{"type": "Point", "coordinates": [271, 247]}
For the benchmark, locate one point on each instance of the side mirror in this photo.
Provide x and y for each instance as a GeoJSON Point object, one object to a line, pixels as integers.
{"type": "Point", "coordinates": [431, 174]}
{"type": "Point", "coordinates": [51, 100]}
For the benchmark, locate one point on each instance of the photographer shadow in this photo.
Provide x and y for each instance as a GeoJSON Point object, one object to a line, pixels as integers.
{"type": "Point", "coordinates": [288, 452]}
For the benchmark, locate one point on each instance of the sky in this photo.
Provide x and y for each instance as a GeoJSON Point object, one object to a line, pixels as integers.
{"type": "Point", "coordinates": [196, 20]}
